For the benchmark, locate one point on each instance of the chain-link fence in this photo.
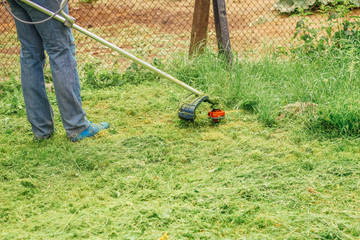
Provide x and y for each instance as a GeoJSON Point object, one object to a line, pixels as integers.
{"type": "Point", "coordinates": [152, 28]}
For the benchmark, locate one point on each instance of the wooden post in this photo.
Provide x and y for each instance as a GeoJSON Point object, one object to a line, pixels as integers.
{"type": "Point", "coordinates": [199, 26]}
{"type": "Point", "coordinates": [222, 30]}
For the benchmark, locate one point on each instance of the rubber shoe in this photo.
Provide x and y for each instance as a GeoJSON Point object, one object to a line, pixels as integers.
{"type": "Point", "coordinates": [91, 131]}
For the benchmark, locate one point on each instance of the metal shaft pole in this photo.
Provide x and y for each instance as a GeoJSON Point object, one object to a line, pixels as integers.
{"type": "Point", "coordinates": [115, 48]}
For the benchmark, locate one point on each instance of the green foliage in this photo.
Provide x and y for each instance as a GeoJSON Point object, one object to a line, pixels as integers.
{"type": "Point", "coordinates": [334, 46]}
{"type": "Point", "coordinates": [101, 78]}
{"type": "Point", "coordinates": [136, 74]}
{"type": "Point", "coordinates": [339, 116]}
{"type": "Point", "coordinates": [11, 97]}
{"type": "Point", "coordinates": [10, 86]}
{"type": "Point", "coordinates": [290, 6]}
{"type": "Point", "coordinates": [96, 77]}
{"type": "Point", "coordinates": [91, 2]}
{"type": "Point", "coordinates": [335, 37]}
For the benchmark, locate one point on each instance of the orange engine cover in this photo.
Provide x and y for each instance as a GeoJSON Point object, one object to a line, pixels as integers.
{"type": "Point", "coordinates": [216, 115]}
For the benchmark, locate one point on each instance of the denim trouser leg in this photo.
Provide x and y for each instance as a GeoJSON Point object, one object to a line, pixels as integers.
{"type": "Point", "coordinates": [58, 42]}
{"type": "Point", "coordinates": [32, 60]}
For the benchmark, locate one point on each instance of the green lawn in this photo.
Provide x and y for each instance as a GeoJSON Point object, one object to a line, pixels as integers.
{"type": "Point", "coordinates": [151, 175]}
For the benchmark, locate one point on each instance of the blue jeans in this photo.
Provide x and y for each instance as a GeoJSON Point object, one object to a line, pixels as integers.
{"type": "Point", "coordinates": [57, 40]}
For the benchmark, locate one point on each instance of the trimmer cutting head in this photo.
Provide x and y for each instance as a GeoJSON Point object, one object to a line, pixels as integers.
{"type": "Point", "coordinates": [189, 105]}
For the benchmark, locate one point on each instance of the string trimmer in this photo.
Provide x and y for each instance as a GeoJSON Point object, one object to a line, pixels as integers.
{"type": "Point", "coordinates": [187, 110]}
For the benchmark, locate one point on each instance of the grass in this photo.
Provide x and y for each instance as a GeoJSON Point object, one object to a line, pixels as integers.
{"type": "Point", "coordinates": [10, 70]}
{"type": "Point", "coordinates": [151, 176]}
{"type": "Point", "coordinates": [268, 84]}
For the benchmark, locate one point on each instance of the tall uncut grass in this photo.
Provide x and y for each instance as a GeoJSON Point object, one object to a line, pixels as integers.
{"type": "Point", "coordinates": [329, 79]}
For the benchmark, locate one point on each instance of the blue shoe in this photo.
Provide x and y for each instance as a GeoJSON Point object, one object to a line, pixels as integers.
{"type": "Point", "coordinates": [91, 131]}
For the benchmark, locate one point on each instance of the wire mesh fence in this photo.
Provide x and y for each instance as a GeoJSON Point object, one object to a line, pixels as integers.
{"type": "Point", "coordinates": [156, 28]}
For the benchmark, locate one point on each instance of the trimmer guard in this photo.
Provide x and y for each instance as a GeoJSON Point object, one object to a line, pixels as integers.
{"type": "Point", "coordinates": [189, 105]}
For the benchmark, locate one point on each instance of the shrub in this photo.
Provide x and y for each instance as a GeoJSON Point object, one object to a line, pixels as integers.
{"type": "Point", "coordinates": [289, 6]}
{"type": "Point", "coordinates": [335, 36]}
{"type": "Point", "coordinates": [134, 74]}
{"type": "Point", "coordinates": [11, 100]}
{"type": "Point", "coordinates": [101, 78]}
{"type": "Point", "coordinates": [90, 2]}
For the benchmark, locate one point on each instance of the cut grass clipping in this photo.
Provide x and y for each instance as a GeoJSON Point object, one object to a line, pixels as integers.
{"type": "Point", "coordinates": [152, 176]}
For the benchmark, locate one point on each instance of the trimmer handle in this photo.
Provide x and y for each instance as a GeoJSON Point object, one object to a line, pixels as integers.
{"type": "Point", "coordinates": [69, 20]}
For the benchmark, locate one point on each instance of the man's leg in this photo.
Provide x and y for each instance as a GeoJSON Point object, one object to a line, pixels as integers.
{"type": "Point", "coordinates": [59, 44]}
{"type": "Point", "coordinates": [32, 60]}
